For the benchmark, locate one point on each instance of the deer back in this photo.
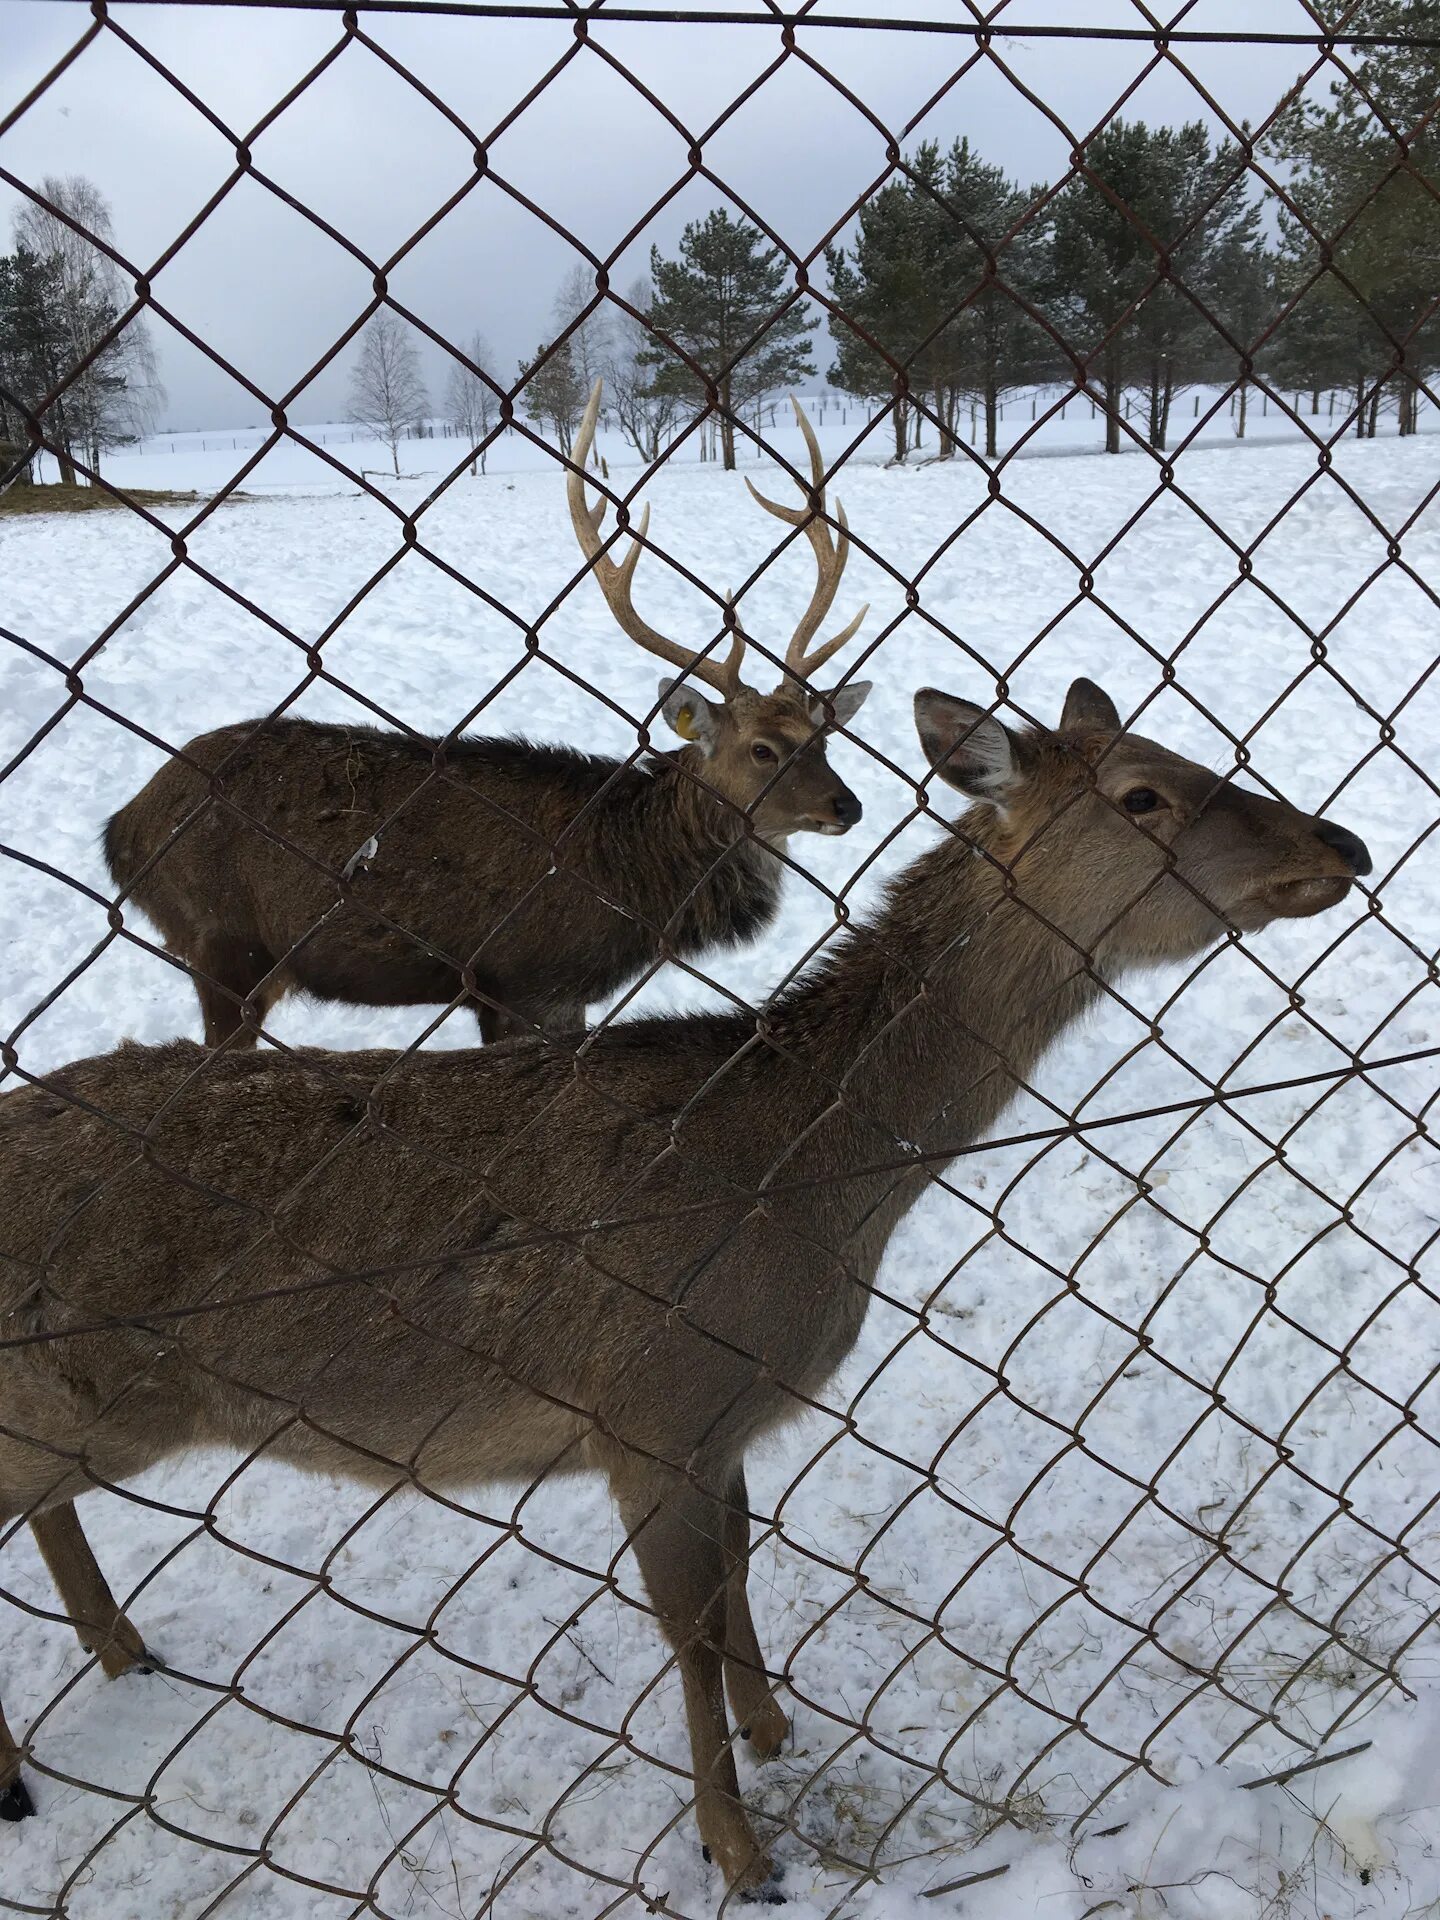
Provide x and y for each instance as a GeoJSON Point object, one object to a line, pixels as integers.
{"type": "Point", "coordinates": [376, 866]}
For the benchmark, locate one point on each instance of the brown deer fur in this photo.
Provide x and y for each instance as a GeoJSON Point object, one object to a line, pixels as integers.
{"type": "Point", "coordinates": [467, 1267]}
{"type": "Point", "coordinates": [383, 870]}
{"type": "Point", "coordinates": [534, 878]}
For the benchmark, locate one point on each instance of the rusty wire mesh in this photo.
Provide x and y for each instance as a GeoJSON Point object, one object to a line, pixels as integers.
{"type": "Point", "coordinates": [1371, 1619]}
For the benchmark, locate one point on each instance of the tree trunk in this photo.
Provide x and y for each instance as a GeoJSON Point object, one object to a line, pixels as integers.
{"type": "Point", "coordinates": [1409, 408]}
{"type": "Point", "coordinates": [902, 430]}
{"type": "Point", "coordinates": [1315, 400]}
{"type": "Point", "coordinates": [1166, 399]}
{"type": "Point", "coordinates": [1112, 408]}
{"type": "Point", "coordinates": [1374, 411]}
{"type": "Point", "coordinates": [1240, 412]}
{"type": "Point", "coordinates": [395, 457]}
{"type": "Point", "coordinates": [65, 463]}
{"type": "Point", "coordinates": [727, 427]}
{"type": "Point", "coordinates": [944, 403]}
{"type": "Point", "coordinates": [992, 415]}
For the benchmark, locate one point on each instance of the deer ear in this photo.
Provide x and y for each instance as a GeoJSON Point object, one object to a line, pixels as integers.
{"type": "Point", "coordinates": [845, 702]}
{"type": "Point", "coordinates": [968, 747]}
{"type": "Point", "coordinates": [689, 713]}
{"type": "Point", "coordinates": [1087, 705]}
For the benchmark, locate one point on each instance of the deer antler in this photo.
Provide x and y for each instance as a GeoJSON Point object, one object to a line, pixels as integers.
{"type": "Point", "coordinates": [830, 558]}
{"type": "Point", "coordinates": [615, 581]}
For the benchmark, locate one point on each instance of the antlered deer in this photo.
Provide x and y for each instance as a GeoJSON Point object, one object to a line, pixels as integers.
{"type": "Point", "coordinates": [535, 879]}
{"type": "Point", "coordinates": [445, 1268]}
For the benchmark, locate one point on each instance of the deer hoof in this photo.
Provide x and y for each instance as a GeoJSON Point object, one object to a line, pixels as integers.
{"type": "Point", "coordinates": [768, 1895]}
{"type": "Point", "coordinates": [15, 1802]}
{"type": "Point", "coordinates": [766, 1732]}
{"type": "Point", "coordinates": [117, 1658]}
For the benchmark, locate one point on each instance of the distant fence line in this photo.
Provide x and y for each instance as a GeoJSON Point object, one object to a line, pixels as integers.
{"type": "Point", "coordinates": [1025, 407]}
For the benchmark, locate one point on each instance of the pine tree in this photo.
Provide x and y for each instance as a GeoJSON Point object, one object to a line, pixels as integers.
{"type": "Point", "coordinates": [879, 323]}
{"type": "Point", "coordinates": [1360, 173]}
{"type": "Point", "coordinates": [1000, 346]}
{"type": "Point", "coordinates": [553, 394]}
{"type": "Point", "coordinates": [35, 353]}
{"type": "Point", "coordinates": [1107, 294]}
{"type": "Point", "coordinates": [720, 302]}
{"type": "Point", "coordinates": [387, 394]}
{"type": "Point", "coordinates": [32, 354]}
{"type": "Point", "coordinates": [1241, 291]}
{"type": "Point", "coordinates": [919, 282]}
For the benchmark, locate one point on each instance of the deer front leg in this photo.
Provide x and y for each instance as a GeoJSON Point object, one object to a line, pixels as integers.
{"type": "Point", "coordinates": [746, 1681]}
{"type": "Point", "coordinates": [84, 1592]}
{"type": "Point", "coordinates": [676, 1533]}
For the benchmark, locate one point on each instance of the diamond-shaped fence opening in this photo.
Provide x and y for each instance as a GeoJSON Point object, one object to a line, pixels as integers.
{"type": "Point", "coordinates": [991, 1224]}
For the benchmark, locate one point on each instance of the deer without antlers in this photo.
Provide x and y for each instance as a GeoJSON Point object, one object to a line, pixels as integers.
{"type": "Point", "coordinates": [530, 879]}
{"type": "Point", "coordinates": [448, 1268]}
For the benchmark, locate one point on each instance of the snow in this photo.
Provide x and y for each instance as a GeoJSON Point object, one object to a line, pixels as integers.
{"type": "Point", "coordinates": [1039, 420]}
{"type": "Point", "coordinates": [1015, 1583]}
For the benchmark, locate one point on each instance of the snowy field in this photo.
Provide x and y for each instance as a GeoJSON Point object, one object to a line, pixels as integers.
{"type": "Point", "coordinates": [1033, 421]}
{"type": "Point", "coordinates": [966, 1662]}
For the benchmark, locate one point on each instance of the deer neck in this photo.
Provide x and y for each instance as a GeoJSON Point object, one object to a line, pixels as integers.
{"type": "Point", "coordinates": [713, 881]}
{"type": "Point", "coordinates": [925, 1025]}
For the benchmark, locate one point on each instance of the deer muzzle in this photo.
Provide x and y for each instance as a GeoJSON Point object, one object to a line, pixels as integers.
{"type": "Point", "coordinates": [846, 810]}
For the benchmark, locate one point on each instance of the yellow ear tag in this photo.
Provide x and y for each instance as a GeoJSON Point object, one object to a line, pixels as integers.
{"type": "Point", "coordinates": [685, 723]}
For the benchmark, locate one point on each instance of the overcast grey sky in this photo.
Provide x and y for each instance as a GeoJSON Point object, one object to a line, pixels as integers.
{"type": "Point", "coordinates": [271, 292]}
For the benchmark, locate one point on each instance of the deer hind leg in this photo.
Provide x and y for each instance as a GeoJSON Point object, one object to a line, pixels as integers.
{"type": "Point", "coordinates": [676, 1533]}
{"type": "Point", "coordinates": [84, 1592]}
{"type": "Point", "coordinates": [495, 1025]}
{"type": "Point", "coordinates": [746, 1681]}
{"type": "Point", "coordinates": [565, 1016]}
{"type": "Point", "coordinates": [228, 970]}
{"type": "Point", "coordinates": [15, 1801]}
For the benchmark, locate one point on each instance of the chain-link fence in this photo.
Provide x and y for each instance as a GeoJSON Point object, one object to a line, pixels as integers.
{"type": "Point", "coordinates": [1073, 1406]}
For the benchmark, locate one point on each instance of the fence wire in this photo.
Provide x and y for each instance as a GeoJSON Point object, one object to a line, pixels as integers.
{"type": "Point", "coordinates": [1323, 1598]}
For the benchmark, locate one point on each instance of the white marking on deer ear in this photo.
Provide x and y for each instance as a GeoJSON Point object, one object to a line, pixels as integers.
{"type": "Point", "coordinates": [689, 713]}
{"type": "Point", "coordinates": [845, 702]}
{"type": "Point", "coordinates": [968, 748]}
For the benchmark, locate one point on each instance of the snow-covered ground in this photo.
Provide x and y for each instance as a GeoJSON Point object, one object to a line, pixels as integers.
{"type": "Point", "coordinates": [1284, 1285]}
{"type": "Point", "coordinates": [1033, 421]}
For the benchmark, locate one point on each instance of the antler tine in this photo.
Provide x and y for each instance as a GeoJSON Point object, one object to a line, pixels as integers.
{"type": "Point", "coordinates": [830, 559]}
{"type": "Point", "coordinates": [615, 580]}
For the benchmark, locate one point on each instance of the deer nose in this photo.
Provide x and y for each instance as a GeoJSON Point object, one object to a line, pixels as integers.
{"type": "Point", "coordinates": [1350, 847]}
{"type": "Point", "coordinates": [847, 808]}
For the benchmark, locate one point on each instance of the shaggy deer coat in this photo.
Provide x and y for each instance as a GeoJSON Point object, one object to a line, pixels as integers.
{"type": "Point", "coordinates": [387, 870]}
{"type": "Point", "coordinates": [450, 1268]}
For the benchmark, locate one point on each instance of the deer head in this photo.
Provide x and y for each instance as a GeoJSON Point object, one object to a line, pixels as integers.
{"type": "Point", "coordinates": [762, 752]}
{"type": "Point", "coordinates": [1132, 852]}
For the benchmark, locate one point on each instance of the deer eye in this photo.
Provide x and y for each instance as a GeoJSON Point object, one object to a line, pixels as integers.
{"type": "Point", "coordinates": [1141, 800]}
{"type": "Point", "coordinates": [761, 752]}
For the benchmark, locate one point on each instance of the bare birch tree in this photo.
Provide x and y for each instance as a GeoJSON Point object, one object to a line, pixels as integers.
{"type": "Point", "coordinates": [112, 398]}
{"type": "Point", "coordinates": [387, 393]}
{"type": "Point", "coordinates": [590, 338]}
{"type": "Point", "coordinates": [469, 403]}
{"type": "Point", "coordinates": [645, 417]}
